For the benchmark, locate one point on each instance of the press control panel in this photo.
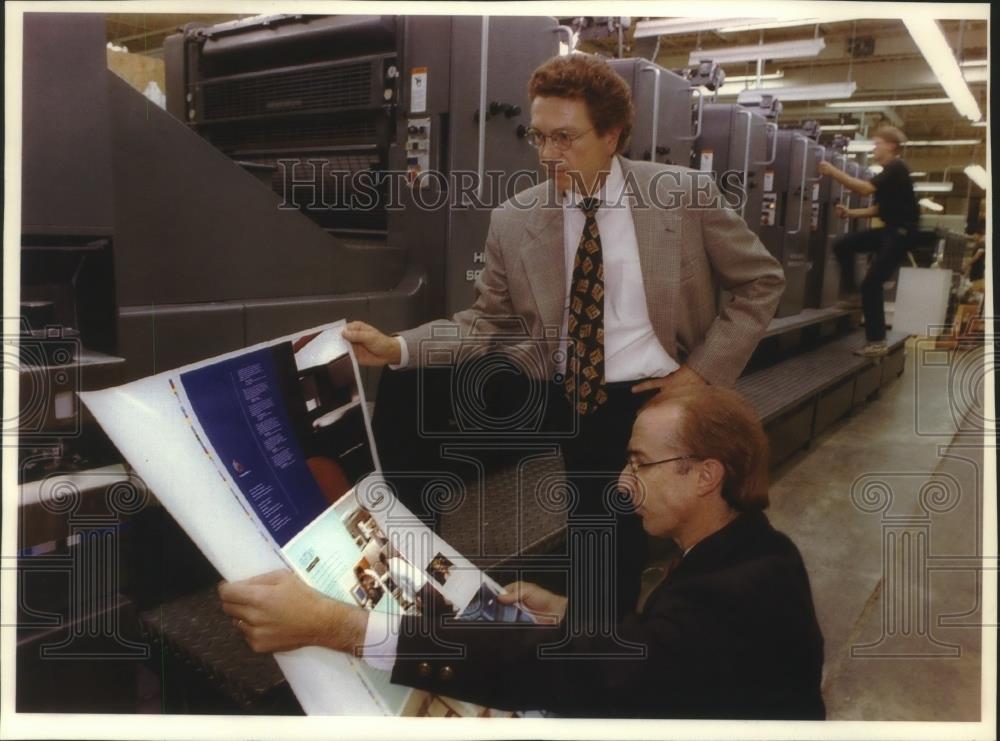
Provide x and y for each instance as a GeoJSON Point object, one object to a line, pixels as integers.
{"type": "Point", "coordinates": [769, 209]}
{"type": "Point", "coordinates": [418, 150]}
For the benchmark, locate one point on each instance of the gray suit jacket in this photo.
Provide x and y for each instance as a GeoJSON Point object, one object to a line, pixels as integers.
{"type": "Point", "coordinates": [690, 244]}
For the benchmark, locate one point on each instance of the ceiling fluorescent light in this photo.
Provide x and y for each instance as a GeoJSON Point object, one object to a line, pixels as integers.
{"type": "Point", "coordinates": [975, 74]}
{"type": "Point", "coordinates": [780, 50]}
{"type": "Point", "coordinates": [978, 175]}
{"type": "Point", "coordinates": [677, 26]}
{"type": "Point", "coordinates": [932, 187]}
{"type": "Point", "coordinates": [974, 63]}
{"type": "Point", "coordinates": [856, 146]}
{"type": "Point", "coordinates": [930, 205]}
{"type": "Point", "coordinates": [837, 127]}
{"type": "Point", "coordinates": [765, 25]}
{"type": "Point", "coordinates": [942, 143]}
{"type": "Point", "coordinates": [753, 78]}
{"type": "Point", "coordinates": [918, 174]}
{"type": "Point", "coordinates": [828, 91]}
{"type": "Point", "coordinates": [890, 115]}
{"type": "Point", "coordinates": [932, 44]}
{"type": "Point", "coordinates": [864, 104]}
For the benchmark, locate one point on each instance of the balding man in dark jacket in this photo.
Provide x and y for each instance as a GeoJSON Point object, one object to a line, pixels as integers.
{"type": "Point", "coordinates": [731, 631]}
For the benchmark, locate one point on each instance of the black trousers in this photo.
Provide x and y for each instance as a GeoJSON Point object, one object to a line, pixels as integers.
{"type": "Point", "coordinates": [593, 448]}
{"type": "Point", "coordinates": [889, 246]}
{"type": "Point", "coordinates": [594, 458]}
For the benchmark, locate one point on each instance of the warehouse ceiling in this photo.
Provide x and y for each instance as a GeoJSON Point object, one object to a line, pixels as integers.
{"type": "Point", "coordinates": [887, 64]}
{"type": "Point", "coordinates": [878, 55]}
{"type": "Point", "coordinates": [143, 33]}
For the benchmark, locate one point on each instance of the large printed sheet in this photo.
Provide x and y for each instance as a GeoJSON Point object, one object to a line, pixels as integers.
{"type": "Point", "coordinates": [265, 457]}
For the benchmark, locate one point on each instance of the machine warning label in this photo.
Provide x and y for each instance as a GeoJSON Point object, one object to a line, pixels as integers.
{"type": "Point", "coordinates": [418, 90]}
{"type": "Point", "coordinates": [706, 160]}
{"type": "Point", "coordinates": [769, 180]}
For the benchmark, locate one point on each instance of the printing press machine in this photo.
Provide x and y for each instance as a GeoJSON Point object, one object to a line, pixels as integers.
{"type": "Point", "coordinates": [785, 213]}
{"type": "Point", "coordinates": [737, 143]}
{"type": "Point", "coordinates": [149, 241]}
{"type": "Point", "coordinates": [823, 278]}
{"type": "Point", "coordinates": [662, 131]}
{"type": "Point", "coordinates": [332, 106]}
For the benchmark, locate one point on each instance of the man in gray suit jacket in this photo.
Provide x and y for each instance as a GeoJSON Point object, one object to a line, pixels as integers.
{"type": "Point", "coordinates": [615, 268]}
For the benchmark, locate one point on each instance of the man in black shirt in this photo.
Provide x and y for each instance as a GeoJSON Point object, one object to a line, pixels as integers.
{"type": "Point", "coordinates": [896, 205]}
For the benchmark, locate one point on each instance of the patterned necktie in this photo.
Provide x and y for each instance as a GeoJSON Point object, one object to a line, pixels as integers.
{"type": "Point", "coordinates": [585, 349]}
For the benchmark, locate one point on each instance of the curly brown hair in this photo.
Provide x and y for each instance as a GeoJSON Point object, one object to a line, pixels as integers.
{"type": "Point", "coordinates": [592, 80]}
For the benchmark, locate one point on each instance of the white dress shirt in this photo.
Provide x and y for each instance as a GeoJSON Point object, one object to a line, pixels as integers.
{"type": "Point", "coordinates": [382, 638]}
{"type": "Point", "coordinates": [631, 349]}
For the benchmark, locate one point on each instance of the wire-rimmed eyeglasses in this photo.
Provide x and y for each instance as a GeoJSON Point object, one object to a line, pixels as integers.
{"type": "Point", "coordinates": [634, 467]}
{"type": "Point", "coordinates": [562, 140]}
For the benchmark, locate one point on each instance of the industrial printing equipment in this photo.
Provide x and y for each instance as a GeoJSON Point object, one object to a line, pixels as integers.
{"type": "Point", "coordinates": [149, 241]}
{"type": "Point", "coordinates": [164, 248]}
{"type": "Point", "coordinates": [330, 110]}
{"type": "Point", "coordinates": [823, 278]}
{"type": "Point", "coordinates": [785, 212]}
{"type": "Point", "coordinates": [662, 102]}
{"type": "Point", "coordinates": [738, 142]}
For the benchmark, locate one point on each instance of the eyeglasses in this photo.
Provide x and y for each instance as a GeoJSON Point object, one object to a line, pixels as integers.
{"type": "Point", "coordinates": [562, 140]}
{"type": "Point", "coordinates": [634, 467]}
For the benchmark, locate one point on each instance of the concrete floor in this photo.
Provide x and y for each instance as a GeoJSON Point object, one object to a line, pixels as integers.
{"type": "Point", "coordinates": [886, 509]}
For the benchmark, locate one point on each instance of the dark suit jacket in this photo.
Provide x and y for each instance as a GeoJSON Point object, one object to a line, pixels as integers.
{"type": "Point", "coordinates": [730, 633]}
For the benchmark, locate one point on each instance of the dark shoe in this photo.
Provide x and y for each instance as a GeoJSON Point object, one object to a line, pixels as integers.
{"type": "Point", "coordinates": [873, 350]}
